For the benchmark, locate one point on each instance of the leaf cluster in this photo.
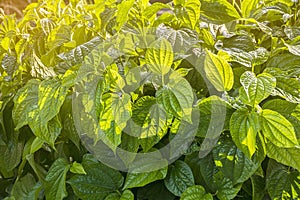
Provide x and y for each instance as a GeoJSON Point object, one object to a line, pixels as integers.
{"type": "Point", "coordinates": [152, 68]}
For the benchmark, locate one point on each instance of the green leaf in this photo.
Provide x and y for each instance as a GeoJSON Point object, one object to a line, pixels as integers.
{"type": "Point", "coordinates": [244, 126]}
{"type": "Point", "coordinates": [55, 182]}
{"type": "Point", "coordinates": [240, 43]}
{"type": "Point", "coordinates": [153, 9]}
{"type": "Point", "coordinates": [196, 192]}
{"type": "Point", "coordinates": [216, 181]}
{"type": "Point", "coordinates": [51, 97]}
{"type": "Point", "coordinates": [25, 102]}
{"type": "Point", "coordinates": [188, 11]}
{"type": "Point", "coordinates": [150, 121]}
{"type": "Point", "coordinates": [36, 145]}
{"type": "Point", "coordinates": [47, 132]}
{"type": "Point", "coordinates": [121, 109]}
{"type": "Point", "coordinates": [226, 189]}
{"type": "Point", "coordinates": [255, 89]}
{"type": "Point", "coordinates": [218, 72]}
{"type": "Point", "coordinates": [278, 129]}
{"type": "Point", "coordinates": [37, 104]}
{"type": "Point", "coordinates": [159, 57]}
{"type": "Point", "coordinates": [286, 156]}
{"type": "Point", "coordinates": [78, 55]}
{"type": "Point", "coordinates": [122, 13]}
{"type": "Point", "coordinates": [116, 111]}
{"type": "Point", "coordinates": [218, 11]}
{"type": "Point", "coordinates": [248, 6]}
{"type": "Point", "coordinates": [98, 182]}
{"type": "Point", "coordinates": [258, 187]}
{"type": "Point", "coordinates": [213, 110]}
{"type": "Point", "coordinates": [23, 187]}
{"type": "Point", "coordinates": [181, 39]}
{"type": "Point", "coordinates": [126, 195]}
{"type": "Point", "coordinates": [287, 109]}
{"type": "Point", "coordinates": [10, 157]}
{"type": "Point", "coordinates": [286, 62]}
{"type": "Point", "coordinates": [282, 183]}
{"type": "Point", "coordinates": [142, 179]}
{"type": "Point", "coordinates": [34, 192]}
{"type": "Point", "coordinates": [37, 168]}
{"type": "Point", "coordinates": [249, 58]}
{"type": "Point", "coordinates": [167, 98]}
{"type": "Point", "coordinates": [184, 94]}
{"type": "Point", "coordinates": [77, 168]}
{"type": "Point", "coordinates": [280, 105]}
{"type": "Point", "coordinates": [179, 178]}
{"type": "Point", "coordinates": [112, 196]}
{"type": "Point", "coordinates": [113, 78]}
{"type": "Point", "coordinates": [68, 124]}
{"type": "Point", "coordinates": [69, 78]}
{"type": "Point", "coordinates": [233, 162]}
{"type": "Point", "coordinates": [287, 86]}
{"type": "Point", "coordinates": [141, 108]}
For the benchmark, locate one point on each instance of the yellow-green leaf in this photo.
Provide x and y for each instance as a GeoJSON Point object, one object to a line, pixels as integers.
{"type": "Point", "coordinates": [159, 57]}
{"type": "Point", "coordinates": [278, 129]}
{"type": "Point", "coordinates": [218, 72]}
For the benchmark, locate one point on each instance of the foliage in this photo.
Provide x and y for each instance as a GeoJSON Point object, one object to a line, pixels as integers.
{"type": "Point", "coordinates": [235, 63]}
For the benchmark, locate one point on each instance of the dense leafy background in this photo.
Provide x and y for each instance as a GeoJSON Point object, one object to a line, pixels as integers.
{"type": "Point", "coordinates": [243, 56]}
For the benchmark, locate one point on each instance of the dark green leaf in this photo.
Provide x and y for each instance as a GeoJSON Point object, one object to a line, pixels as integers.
{"type": "Point", "coordinates": [55, 182]}
{"type": "Point", "coordinates": [23, 187]}
{"type": "Point", "coordinates": [282, 183]}
{"type": "Point", "coordinates": [155, 191]}
{"type": "Point", "coordinates": [179, 178]}
{"type": "Point", "coordinates": [99, 181]}
{"type": "Point", "coordinates": [233, 162]}
{"type": "Point", "coordinates": [258, 187]}
{"type": "Point", "coordinates": [216, 181]}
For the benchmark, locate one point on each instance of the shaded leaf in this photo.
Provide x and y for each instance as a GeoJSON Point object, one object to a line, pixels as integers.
{"type": "Point", "coordinates": [282, 183]}
{"type": "Point", "coordinates": [233, 162]}
{"type": "Point", "coordinates": [98, 182]}
{"type": "Point", "coordinates": [55, 181]}
{"type": "Point", "coordinates": [179, 178]}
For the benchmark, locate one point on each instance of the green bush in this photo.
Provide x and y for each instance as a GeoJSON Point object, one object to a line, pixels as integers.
{"type": "Point", "coordinates": [210, 89]}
